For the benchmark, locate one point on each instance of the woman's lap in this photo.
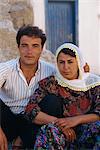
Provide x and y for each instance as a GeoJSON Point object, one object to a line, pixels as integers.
{"type": "Point", "coordinates": [50, 136]}
{"type": "Point", "coordinates": [87, 133]}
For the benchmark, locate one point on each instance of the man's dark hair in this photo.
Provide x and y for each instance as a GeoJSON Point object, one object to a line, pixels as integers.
{"type": "Point", "coordinates": [30, 31]}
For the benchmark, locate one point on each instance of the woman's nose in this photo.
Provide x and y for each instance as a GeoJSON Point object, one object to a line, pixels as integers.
{"type": "Point", "coordinates": [66, 66]}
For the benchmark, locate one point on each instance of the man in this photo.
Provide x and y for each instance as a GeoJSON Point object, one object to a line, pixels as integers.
{"type": "Point", "coordinates": [18, 80]}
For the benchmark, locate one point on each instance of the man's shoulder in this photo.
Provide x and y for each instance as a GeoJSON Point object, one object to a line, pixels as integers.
{"type": "Point", "coordinates": [45, 69]}
{"type": "Point", "coordinates": [46, 64]}
{"type": "Point", "coordinates": [9, 61]}
{"type": "Point", "coordinates": [8, 64]}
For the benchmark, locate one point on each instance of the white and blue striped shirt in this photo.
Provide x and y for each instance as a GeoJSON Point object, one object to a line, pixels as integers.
{"type": "Point", "coordinates": [14, 90]}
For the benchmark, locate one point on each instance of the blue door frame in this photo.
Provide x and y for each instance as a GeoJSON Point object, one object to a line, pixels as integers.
{"type": "Point", "coordinates": [61, 22]}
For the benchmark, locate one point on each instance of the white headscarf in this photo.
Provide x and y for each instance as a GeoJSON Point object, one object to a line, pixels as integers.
{"type": "Point", "coordinates": [85, 81]}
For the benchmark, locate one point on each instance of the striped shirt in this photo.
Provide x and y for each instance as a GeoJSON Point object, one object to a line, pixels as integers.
{"type": "Point", "coordinates": [14, 90]}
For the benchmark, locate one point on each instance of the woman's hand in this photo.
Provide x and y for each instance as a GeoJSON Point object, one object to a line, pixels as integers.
{"type": "Point", "coordinates": [69, 133]}
{"type": "Point", "coordinates": [3, 141]}
{"type": "Point", "coordinates": [68, 122]}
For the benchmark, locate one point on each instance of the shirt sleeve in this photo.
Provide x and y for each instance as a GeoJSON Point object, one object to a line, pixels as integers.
{"type": "Point", "coordinates": [3, 73]}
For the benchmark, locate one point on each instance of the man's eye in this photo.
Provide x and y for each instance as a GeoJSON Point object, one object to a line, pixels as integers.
{"type": "Point", "coordinates": [35, 45]}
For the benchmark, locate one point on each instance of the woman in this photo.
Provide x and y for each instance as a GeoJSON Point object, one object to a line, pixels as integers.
{"type": "Point", "coordinates": [76, 123]}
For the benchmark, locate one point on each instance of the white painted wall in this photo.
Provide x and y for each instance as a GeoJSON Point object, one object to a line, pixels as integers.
{"type": "Point", "coordinates": [89, 32]}
{"type": "Point", "coordinates": [99, 32]}
{"type": "Point", "coordinates": [39, 13]}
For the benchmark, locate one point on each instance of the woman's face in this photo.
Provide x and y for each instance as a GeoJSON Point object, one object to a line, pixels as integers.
{"type": "Point", "coordinates": [68, 66]}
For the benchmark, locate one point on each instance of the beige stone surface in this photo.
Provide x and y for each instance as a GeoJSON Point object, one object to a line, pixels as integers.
{"type": "Point", "coordinates": [13, 14]}
{"type": "Point", "coordinates": [48, 56]}
{"type": "Point", "coordinates": [21, 13]}
{"type": "Point", "coordinates": [8, 48]}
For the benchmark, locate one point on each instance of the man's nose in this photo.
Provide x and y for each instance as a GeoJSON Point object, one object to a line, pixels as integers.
{"type": "Point", "coordinates": [30, 49]}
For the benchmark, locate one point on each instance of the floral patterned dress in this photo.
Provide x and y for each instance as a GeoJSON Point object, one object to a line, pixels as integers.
{"type": "Point", "coordinates": [75, 103]}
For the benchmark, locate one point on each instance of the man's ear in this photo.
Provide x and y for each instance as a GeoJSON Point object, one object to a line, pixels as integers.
{"type": "Point", "coordinates": [86, 67]}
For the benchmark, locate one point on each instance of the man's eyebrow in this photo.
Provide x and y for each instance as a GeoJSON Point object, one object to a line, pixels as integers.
{"type": "Point", "coordinates": [35, 44]}
{"type": "Point", "coordinates": [23, 43]}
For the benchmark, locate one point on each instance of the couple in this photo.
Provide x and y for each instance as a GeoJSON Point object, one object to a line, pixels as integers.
{"type": "Point", "coordinates": [73, 98]}
{"type": "Point", "coordinates": [61, 103]}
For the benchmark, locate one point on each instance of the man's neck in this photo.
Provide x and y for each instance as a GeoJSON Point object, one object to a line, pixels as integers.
{"type": "Point", "coordinates": [29, 71]}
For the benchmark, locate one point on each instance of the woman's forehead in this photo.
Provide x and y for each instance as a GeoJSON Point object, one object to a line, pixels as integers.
{"type": "Point", "coordinates": [66, 57]}
{"type": "Point", "coordinates": [61, 55]}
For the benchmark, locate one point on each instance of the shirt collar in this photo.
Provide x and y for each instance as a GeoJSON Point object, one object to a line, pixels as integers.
{"type": "Point", "coordinates": [18, 66]}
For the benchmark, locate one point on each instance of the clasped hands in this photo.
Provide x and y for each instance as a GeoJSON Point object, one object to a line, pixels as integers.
{"type": "Point", "coordinates": [67, 126]}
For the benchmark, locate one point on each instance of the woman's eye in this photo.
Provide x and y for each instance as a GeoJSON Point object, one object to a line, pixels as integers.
{"type": "Point", "coordinates": [70, 62]}
{"type": "Point", "coordinates": [61, 62]}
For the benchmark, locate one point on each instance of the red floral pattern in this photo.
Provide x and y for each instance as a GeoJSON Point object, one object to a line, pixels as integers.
{"type": "Point", "coordinates": [84, 104]}
{"type": "Point", "coordinates": [63, 93]}
{"type": "Point", "coordinates": [74, 102]}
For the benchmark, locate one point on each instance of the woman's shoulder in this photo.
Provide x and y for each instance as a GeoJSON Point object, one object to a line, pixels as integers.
{"type": "Point", "coordinates": [95, 89]}
{"type": "Point", "coordinates": [92, 81]}
{"type": "Point", "coordinates": [49, 85]}
{"type": "Point", "coordinates": [47, 80]}
{"type": "Point", "coordinates": [92, 78]}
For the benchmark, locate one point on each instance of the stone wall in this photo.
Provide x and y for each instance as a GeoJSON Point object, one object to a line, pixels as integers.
{"type": "Point", "coordinates": [13, 14]}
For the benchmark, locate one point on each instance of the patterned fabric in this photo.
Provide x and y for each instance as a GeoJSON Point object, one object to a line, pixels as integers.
{"type": "Point", "coordinates": [51, 138]}
{"type": "Point", "coordinates": [74, 102]}
{"type": "Point", "coordinates": [14, 90]}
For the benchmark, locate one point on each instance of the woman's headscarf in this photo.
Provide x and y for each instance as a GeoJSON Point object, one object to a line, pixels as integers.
{"type": "Point", "coordinates": [85, 81]}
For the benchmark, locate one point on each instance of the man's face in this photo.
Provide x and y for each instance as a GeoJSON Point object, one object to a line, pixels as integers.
{"type": "Point", "coordinates": [30, 49]}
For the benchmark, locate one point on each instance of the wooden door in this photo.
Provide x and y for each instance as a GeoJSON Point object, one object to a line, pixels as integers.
{"type": "Point", "coordinates": [60, 23]}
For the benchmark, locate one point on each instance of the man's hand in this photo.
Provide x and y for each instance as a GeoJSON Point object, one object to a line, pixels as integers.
{"type": "Point", "coordinates": [86, 67]}
{"type": "Point", "coordinates": [3, 140]}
